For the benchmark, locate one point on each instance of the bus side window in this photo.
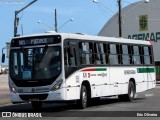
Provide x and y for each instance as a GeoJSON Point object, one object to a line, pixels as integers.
{"type": "Point", "coordinates": [98, 53]}
{"type": "Point", "coordinates": [130, 51]}
{"type": "Point", "coordinates": [86, 53]}
{"type": "Point", "coordinates": [125, 56]}
{"type": "Point", "coordinates": [91, 55]}
{"type": "Point", "coordinates": [141, 54]}
{"type": "Point", "coordinates": [146, 56]}
{"type": "Point", "coordinates": [102, 53]}
{"type": "Point", "coordinates": [136, 56]}
{"type": "Point", "coordinates": [65, 57]}
{"type": "Point", "coordinates": [82, 52]}
{"type": "Point", "coordinates": [72, 57]}
{"type": "Point", "coordinates": [113, 55]}
{"type": "Point", "coordinates": [119, 53]}
{"type": "Point", "coordinates": [150, 54]}
{"type": "Point", "coordinates": [106, 54]}
{"type": "Point", "coordinates": [86, 50]}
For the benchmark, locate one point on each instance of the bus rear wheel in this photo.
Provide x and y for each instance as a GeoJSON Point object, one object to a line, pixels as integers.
{"type": "Point", "coordinates": [82, 103]}
{"type": "Point", "coordinates": [131, 93]}
{"type": "Point", "coordinates": [36, 105]}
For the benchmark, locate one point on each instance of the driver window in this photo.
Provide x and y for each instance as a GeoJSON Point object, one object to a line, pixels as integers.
{"type": "Point", "coordinates": [71, 57]}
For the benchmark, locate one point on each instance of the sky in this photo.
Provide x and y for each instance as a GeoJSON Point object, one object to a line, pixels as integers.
{"type": "Point", "coordinates": [88, 17]}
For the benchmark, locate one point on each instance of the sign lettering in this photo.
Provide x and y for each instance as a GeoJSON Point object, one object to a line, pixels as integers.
{"type": "Point", "coordinates": [146, 36]}
{"type": "Point", "coordinates": [38, 41]}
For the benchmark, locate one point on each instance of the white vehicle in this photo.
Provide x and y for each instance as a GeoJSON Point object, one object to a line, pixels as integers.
{"type": "Point", "coordinates": [61, 67]}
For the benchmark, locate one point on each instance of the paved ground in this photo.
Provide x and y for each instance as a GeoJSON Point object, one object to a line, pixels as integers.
{"type": "Point", "coordinates": [147, 101]}
{"type": "Point", "coordinates": [4, 90]}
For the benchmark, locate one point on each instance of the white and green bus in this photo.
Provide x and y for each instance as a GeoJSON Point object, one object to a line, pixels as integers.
{"type": "Point", "coordinates": [62, 67]}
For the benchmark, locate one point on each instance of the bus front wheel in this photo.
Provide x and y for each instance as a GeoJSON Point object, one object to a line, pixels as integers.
{"type": "Point", "coordinates": [82, 103]}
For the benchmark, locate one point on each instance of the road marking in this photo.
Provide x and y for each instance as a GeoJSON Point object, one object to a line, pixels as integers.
{"type": "Point", "coordinates": [149, 95]}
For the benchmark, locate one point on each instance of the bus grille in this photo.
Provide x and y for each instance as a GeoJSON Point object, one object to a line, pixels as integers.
{"type": "Point", "coordinates": [35, 96]}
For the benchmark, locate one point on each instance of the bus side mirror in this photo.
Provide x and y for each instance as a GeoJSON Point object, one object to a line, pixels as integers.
{"type": "Point", "coordinates": [3, 58]}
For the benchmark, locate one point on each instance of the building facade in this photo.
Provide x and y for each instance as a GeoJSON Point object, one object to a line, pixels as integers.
{"type": "Point", "coordinates": [140, 20]}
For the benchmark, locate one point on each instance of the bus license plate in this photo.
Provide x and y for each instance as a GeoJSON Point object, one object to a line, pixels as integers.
{"type": "Point", "coordinates": [34, 99]}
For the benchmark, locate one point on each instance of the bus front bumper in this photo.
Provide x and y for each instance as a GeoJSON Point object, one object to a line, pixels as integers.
{"type": "Point", "coordinates": [51, 96]}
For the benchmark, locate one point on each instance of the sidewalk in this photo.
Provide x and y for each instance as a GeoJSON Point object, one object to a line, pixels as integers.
{"type": "Point", "coordinates": [4, 90]}
{"type": "Point", "coordinates": [4, 97]}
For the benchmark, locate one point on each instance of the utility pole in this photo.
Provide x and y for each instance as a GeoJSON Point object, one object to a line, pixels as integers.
{"type": "Point", "coordinates": [56, 21]}
{"type": "Point", "coordinates": [16, 19]}
{"type": "Point", "coordinates": [120, 18]}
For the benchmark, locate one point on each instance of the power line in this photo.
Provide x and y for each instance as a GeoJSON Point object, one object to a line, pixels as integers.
{"type": "Point", "coordinates": [103, 9]}
{"type": "Point", "coordinates": [106, 7]}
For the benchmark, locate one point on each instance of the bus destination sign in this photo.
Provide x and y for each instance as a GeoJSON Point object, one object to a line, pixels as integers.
{"type": "Point", "coordinates": [35, 41]}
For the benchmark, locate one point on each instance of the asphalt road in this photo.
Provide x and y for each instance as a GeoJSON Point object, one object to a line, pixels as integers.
{"type": "Point", "coordinates": [146, 102]}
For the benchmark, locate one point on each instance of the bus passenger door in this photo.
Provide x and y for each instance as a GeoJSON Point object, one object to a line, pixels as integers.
{"type": "Point", "coordinates": [148, 70]}
{"type": "Point", "coordinates": [71, 67]}
{"type": "Point", "coordinates": [116, 72]}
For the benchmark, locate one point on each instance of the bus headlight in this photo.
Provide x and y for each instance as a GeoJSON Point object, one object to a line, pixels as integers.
{"type": "Point", "coordinates": [57, 85]}
{"type": "Point", "coordinates": [12, 89]}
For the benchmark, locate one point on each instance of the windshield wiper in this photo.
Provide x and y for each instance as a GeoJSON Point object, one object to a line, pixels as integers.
{"type": "Point", "coordinates": [43, 54]}
{"type": "Point", "coordinates": [23, 51]}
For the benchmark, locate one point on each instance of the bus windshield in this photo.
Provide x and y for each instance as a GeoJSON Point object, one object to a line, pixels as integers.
{"type": "Point", "coordinates": [38, 63]}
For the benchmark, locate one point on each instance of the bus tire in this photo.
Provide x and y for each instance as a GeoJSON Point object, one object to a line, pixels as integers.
{"type": "Point", "coordinates": [36, 105]}
{"type": "Point", "coordinates": [131, 93]}
{"type": "Point", "coordinates": [82, 103]}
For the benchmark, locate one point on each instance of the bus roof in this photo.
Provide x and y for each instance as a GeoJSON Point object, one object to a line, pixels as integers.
{"type": "Point", "coordinates": [89, 37]}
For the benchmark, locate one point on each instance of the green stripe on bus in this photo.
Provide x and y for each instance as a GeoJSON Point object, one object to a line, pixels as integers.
{"type": "Point", "coordinates": [101, 69]}
{"type": "Point", "coordinates": [145, 70]}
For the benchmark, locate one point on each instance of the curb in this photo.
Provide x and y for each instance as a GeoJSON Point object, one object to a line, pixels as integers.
{"type": "Point", "coordinates": [5, 102]}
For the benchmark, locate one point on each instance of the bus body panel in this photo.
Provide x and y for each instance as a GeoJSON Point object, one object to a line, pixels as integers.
{"type": "Point", "coordinates": [98, 77]}
{"type": "Point", "coordinates": [104, 80]}
{"type": "Point", "coordinates": [103, 85]}
{"type": "Point", "coordinates": [73, 87]}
